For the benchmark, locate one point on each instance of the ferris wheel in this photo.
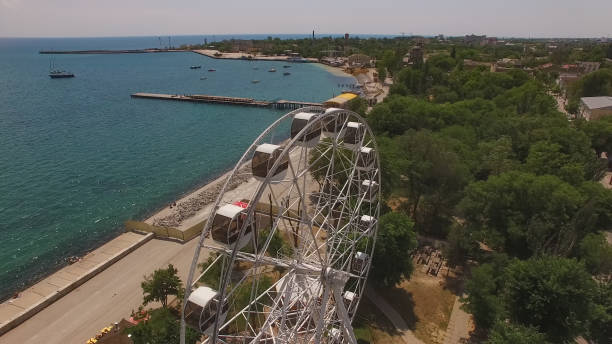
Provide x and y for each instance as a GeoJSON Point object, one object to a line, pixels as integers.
{"type": "Point", "coordinates": [289, 251]}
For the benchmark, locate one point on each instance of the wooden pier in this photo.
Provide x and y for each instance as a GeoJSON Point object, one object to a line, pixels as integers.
{"type": "Point", "coordinates": [202, 98]}
{"type": "Point", "coordinates": [290, 104]}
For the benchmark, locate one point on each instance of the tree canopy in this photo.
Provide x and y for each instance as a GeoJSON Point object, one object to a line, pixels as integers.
{"type": "Point", "coordinates": [163, 327]}
{"type": "Point", "coordinates": [552, 294]}
{"type": "Point", "coordinates": [162, 283]}
{"type": "Point", "coordinates": [481, 157]}
{"type": "Point", "coordinates": [396, 240]}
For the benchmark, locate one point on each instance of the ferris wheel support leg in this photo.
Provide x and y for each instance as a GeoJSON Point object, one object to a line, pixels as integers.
{"type": "Point", "coordinates": [322, 315]}
{"type": "Point", "coordinates": [344, 317]}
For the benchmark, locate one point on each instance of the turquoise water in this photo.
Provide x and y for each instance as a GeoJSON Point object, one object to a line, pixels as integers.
{"type": "Point", "coordinates": [78, 156]}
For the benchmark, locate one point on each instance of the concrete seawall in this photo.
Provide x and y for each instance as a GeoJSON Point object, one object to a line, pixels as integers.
{"type": "Point", "coordinates": [32, 300]}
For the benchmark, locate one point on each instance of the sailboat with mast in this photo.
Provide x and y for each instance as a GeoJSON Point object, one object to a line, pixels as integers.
{"type": "Point", "coordinates": [55, 73]}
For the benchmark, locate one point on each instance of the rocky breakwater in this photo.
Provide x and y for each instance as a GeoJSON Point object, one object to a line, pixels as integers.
{"type": "Point", "coordinates": [193, 203]}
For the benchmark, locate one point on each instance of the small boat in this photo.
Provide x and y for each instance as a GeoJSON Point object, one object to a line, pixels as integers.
{"type": "Point", "coordinates": [203, 78]}
{"type": "Point", "coordinates": [212, 70]}
{"type": "Point", "coordinates": [272, 70]}
{"type": "Point", "coordinates": [57, 73]}
{"type": "Point", "coordinates": [286, 73]}
{"type": "Point", "coordinates": [255, 81]}
{"type": "Point", "coordinates": [256, 68]}
{"type": "Point", "coordinates": [195, 67]}
{"type": "Point", "coordinates": [286, 66]}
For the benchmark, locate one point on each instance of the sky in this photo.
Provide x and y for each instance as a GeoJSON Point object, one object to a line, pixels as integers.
{"type": "Point", "coordinates": [502, 18]}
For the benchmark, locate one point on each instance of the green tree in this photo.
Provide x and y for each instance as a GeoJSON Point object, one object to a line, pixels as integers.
{"type": "Point", "coordinates": [552, 294]}
{"type": "Point", "coordinates": [598, 83]}
{"type": "Point", "coordinates": [394, 245]}
{"type": "Point", "coordinates": [599, 132]}
{"type": "Point", "coordinates": [496, 157]}
{"type": "Point", "coordinates": [508, 333]}
{"type": "Point", "coordinates": [524, 214]}
{"type": "Point", "coordinates": [160, 284]}
{"type": "Point", "coordinates": [483, 288]}
{"type": "Point", "coordinates": [460, 245]}
{"type": "Point", "coordinates": [596, 253]}
{"type": "Point", "coordinates": [321, 161]}
{"type": "Point", "coordinates": [601, 323]}
{"type": "Point", "coordinates": [382, 73]}
{"type": "Point", "coordinates": [431, 175]}
{"type": "Point", "coordinates": [163, 327]}
{"type": "Point", "coordinates": [212, 277]}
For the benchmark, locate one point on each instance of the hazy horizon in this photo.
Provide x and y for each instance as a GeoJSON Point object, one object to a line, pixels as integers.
{"type": "Point", "coordinates": [318, 35]}
{"type": "Point", "coordinates": [114, 18]}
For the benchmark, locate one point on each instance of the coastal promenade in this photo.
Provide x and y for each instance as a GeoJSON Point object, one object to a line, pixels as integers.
{"type": "Point", "coordinates": [32, 300]}
{"type": "Point", "coordinates": [104, 299]}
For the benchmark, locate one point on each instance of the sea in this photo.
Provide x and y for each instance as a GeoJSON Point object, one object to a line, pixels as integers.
{"type": "Point", "coordinates": [79, 156]}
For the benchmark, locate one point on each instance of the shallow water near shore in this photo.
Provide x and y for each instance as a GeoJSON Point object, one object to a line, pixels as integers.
{"type": "Point", "coordinates": [78, 156]}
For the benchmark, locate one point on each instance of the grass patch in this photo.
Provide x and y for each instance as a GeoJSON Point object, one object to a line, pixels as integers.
{"type": "Point", "coordinates": [424, 303]}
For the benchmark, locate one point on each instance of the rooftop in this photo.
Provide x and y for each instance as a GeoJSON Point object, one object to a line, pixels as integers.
{"type": "Point", "coordinates": [597, 102]}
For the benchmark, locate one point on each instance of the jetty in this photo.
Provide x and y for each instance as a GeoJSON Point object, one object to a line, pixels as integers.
{"type": "Point", "coordinates": [203, 98]}
{"type": "Point", "coordinates": [127, 51]}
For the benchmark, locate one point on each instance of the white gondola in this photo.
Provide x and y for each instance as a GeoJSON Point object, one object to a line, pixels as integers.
{"type": "Point", "coordinates": [366, 225]}
{"type": "Point", "coordinates": [370, 190]}
{"type": "Point", "coordinates": [227, 223]}
{"type": "Point", "coordinates": [202, 308]}
{"type": "Point", "coordinates": [300, 121]}
{"type": "Point", "coordinates": [333, 124]}
{"type": "Point", "coordinates": [360, 262]}
{"type": "Point", "coordinates": [349, 299]}
{"type": "Point", "coordinates": [366, 159]}
{"type": "Point", "coordinates": [264, 158]}
{"type": "Point", "coordinates": [353, 135]}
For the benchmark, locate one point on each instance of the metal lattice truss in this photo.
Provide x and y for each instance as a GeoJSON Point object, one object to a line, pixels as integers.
{"type": "Point", "coordinates": [321, 208]}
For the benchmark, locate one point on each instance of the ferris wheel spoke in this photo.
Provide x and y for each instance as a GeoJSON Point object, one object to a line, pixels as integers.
{"type": "Point", "coordinates": [303, 206]}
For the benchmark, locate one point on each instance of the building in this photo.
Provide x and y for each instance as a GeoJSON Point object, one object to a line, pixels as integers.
{"type": "Point", "coordinates": [471, 64]}
{"type": "Point", "coordinates": [588, 67]}
{"type": "Point", "coordinates": [593, 108]}
{"type": "Point", "coordinates": [489, 41]}
{"type": "Point", "coordinates": [340, 101]}
{"type": "Point", "coordinates": [359, 60]}
{"type": "Point", "coordinates": [474, 39]}
{"type": "Point", "coordinates": [416, 55]}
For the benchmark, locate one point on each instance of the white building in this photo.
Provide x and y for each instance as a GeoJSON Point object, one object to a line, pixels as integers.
{"type": "Point", "coordinates": [592, 108]}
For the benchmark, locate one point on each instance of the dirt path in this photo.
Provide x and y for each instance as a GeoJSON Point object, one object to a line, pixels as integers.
{"type": "Point", "coordinates": [459, 325]}
{"type": "Point", "coordinates": [395, 318]}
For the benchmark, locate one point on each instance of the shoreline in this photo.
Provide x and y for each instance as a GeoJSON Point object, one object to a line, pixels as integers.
{"type": "Point", "coordinates": [160, 211]}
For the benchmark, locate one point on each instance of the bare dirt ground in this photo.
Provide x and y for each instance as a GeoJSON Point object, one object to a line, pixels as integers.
{"type": "Point", "coordinates": [371, 326]}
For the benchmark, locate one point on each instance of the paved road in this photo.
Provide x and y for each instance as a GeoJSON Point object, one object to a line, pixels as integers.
{"type": "Point", "coordinates": [104, 299]}
{"type": "Point", "coordinates": [395, 318]}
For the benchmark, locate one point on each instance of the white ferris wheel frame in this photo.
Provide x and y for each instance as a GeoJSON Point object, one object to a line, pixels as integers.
{"type": "Point", "coordinates": [304, 275]}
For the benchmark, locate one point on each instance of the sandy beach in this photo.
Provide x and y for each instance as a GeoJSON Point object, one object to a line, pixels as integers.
{"type": "Point", "coordinates": [215, 54]}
